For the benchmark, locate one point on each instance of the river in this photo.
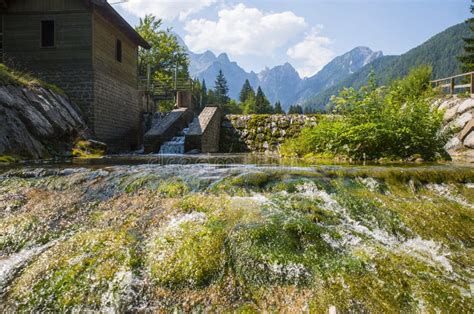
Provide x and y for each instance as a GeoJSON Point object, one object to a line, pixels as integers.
{"type": "Point", "coordinates": [241, 233]}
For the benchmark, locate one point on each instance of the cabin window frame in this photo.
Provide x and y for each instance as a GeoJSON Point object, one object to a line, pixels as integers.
{"type": "Point", "coordinates": [118, 50]}
{"type": "Point", "coordinates": [54, 33]}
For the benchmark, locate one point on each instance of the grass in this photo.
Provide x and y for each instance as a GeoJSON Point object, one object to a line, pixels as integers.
{"type": "Point", "coordinates": [87, 150]}
{"type": "Point", "coordinates": [7, 159]}
{"type": "Point", "coordinates": [9, 76]}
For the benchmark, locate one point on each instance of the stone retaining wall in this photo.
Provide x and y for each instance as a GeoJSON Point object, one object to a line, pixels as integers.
{"type": "Point", "coordinates": [459, 119]}
{"type": "Point", "coordinates": [260, 133]}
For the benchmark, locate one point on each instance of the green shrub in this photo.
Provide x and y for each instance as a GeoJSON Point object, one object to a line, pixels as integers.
{"type": "Point", "coordinates": [395, 122]}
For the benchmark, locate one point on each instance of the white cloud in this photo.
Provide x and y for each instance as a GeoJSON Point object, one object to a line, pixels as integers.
{"type": "Point", "coordinates": [311, 54]}
{"type": "Point", "coordinates": [167, 9]}
{"type": "Point", "coordinates": [244, 31]}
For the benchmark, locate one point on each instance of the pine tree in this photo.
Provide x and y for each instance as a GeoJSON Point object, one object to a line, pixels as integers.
{"type": "Point", "coordinates": [204, 94]}
{"type": "Point", "coordinates": [308, 110]}
{"type": "Point", "coordinates": [197, 93]}
{"type": "Point", "coordinates": [278, 109]}
{"type": "Point", "coordinates": [297, 109]}
{"type": "Point", "coordinates": [222, 89]}
{"type": "Point", "coordinates": [247, 89]}
{"type": "Point", "coordinates": [249, 106]}
{"type": "Point", "coordinates": [467, 59]}
{"type": "Point", "coordinates": [261, 102]}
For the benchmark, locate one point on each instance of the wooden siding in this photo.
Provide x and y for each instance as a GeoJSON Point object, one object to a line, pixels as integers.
{"type": "Point", "coordinates": [24, 6]}
{"type": "Point", "coordinates": [105, 36]}
{"type": "Point", "coordinates": [117, 112]}
{"type": "Point", "coordinates": [73, 38]}
{"type": "Point", "coordinates": [67, 65]}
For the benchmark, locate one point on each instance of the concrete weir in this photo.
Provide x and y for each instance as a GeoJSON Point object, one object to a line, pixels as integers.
{"type": "Point", "coordinates": [201, 133]}
{"type": "Point", "coordinates": [166, 129]}
{"type": "Point", "coordinates": [204, 132]}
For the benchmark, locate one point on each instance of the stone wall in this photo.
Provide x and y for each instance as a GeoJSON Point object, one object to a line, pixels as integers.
{"type": "Point", "coordinates": [459, 120]}
{"type": "Point", "coordinates": [117, 114]}
{"type": "Point", "coordinates": [260, 133]}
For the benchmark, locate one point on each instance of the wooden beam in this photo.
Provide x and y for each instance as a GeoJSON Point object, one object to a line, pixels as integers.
{"type": "Point", "coordinates": [472, 83]}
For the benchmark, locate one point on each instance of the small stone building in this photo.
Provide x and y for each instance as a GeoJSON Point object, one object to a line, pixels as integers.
{"type": "Point", "coordinates": [86, 48]}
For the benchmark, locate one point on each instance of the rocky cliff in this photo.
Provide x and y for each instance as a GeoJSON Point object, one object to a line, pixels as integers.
{"type": "Point", "coordinates": [38, 123]}
{"type": "Point", "coordinates": [459, 121]}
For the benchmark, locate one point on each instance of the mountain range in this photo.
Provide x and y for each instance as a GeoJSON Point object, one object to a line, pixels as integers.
{"type": "Point", "coordinates": [440, 52]}
{"type": "Point", "coordinates": [282, 83]}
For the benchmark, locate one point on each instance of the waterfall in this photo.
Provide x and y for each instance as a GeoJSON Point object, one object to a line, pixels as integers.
{"type": "Point", "coordinates": [175, 145]}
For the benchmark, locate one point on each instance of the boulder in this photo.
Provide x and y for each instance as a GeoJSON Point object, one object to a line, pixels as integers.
{"type": "Point", "coordinates": [451, 113]}
{"type": "Point", "coordinates": [37, 123]}
{"type": "Point", "coordinates": [469, 140]}
{"type": "Point", "coordinates": [453, 143]}
{"type": "Point", "coordinates": [461, 121]}
{"type": "Point", "coordinates": [466, 105]}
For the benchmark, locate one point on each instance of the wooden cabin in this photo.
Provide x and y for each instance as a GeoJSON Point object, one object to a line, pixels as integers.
{"type": "Point", "coordinates": [87, 49]}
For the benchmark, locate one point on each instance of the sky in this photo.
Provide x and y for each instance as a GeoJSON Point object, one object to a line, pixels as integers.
{"type": "Point", "coordinates": [306, 33]}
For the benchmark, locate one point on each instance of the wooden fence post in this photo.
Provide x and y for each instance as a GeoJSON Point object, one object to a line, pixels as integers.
{"type": "Point", "coordinates": [452, 86]}
{"type": "Point", "coordinates": [472, 83]}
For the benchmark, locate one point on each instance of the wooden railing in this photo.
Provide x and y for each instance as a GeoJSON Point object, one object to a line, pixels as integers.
{"type": "Point", "coordinates": [455, 84]}
{"type": "Point", "coordinates": [165, 90]}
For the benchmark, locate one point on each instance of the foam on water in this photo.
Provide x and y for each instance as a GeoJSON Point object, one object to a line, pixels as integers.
{"type": "Point", "coordinates": [448, 192]}
{"type": "Point", "coordinates": [11, 265]}
{"type": "Point", "coordinates": [427, 250]}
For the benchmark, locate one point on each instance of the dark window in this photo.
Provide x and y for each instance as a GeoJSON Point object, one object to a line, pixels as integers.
{"type": "Point", "coordinates": [118, 50]}
{"type": "Point", "coordinates": [47, 33]}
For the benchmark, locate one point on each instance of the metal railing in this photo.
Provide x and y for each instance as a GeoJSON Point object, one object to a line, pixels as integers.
{"type": "Point", "coordinates": [455, 84]}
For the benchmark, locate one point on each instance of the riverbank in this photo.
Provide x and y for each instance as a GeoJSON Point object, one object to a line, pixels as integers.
{"type": "Point", "coordinates": [236, 237]}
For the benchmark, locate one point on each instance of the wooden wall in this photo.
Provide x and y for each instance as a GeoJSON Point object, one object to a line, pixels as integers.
{"type": "Point", "coordinates": [116, 103]}
{"type": "Point", "coordinates": [68, 64]}
{"type": "Point", "coordinates": [104, 39]}
{"type": "Point", "coordinates": [23, 6]}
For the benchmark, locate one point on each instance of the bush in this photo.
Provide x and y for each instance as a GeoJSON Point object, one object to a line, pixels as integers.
{"type": "Point", "coordinates": [395, 122]}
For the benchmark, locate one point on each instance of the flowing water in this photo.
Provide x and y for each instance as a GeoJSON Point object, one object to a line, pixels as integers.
{"type": "Point", "coordinates": [175, 145]}
{"type": "Point", "coordinates": [244, 237]}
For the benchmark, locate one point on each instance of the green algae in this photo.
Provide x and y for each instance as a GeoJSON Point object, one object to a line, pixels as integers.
{"type": "Point", "coordinates": [188, 255]}
{"type": "Point", "coordinates": [173, 188]}
{"type": "Point", "coordinates": [77, 273]}
{"type": "Point", "coordinates": [259, 240]}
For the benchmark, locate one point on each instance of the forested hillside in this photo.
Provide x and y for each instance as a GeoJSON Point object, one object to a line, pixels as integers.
{"type": "Point", "coordinates": [440, 52]}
